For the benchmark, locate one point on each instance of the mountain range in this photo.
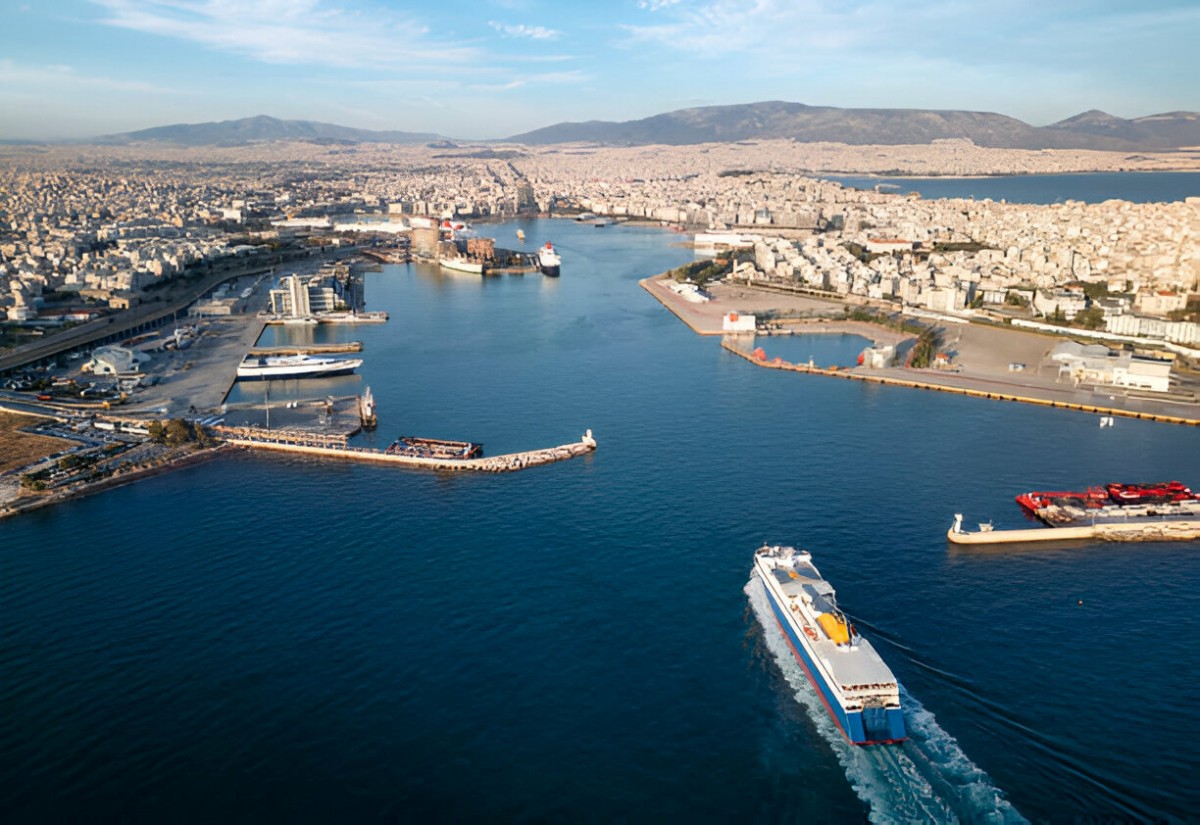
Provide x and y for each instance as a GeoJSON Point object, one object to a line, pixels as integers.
{"type": "Point", "coordinates": [750, 121]}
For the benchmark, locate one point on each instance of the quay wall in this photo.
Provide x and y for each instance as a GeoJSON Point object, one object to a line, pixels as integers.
{"type": "Point", "coordinates": [926, 385]}
{"type": "Point", "coordinates": [1150, 531]}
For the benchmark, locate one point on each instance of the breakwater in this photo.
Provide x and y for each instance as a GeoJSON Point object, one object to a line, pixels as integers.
{"type": "Point", "coordinates": [335, 447]}
{"type": "Point", "coordinates": [1165, 530]}
{"type": "Point", "coordinates": [854, 375]}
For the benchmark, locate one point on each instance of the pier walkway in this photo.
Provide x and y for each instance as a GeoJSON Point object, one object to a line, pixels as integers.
{"type": "Point", "coordinates": [336, 446]}
{"type": "Point", "coordinates": [1138, 530]}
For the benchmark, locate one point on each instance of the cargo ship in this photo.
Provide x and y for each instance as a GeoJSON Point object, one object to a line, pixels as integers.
{"type": "Point", "coordinates": [1115, 503]}
{"type": "Point", "coordinates": [1113, 493]}
{"type": "Point", "coordinates": [548, 260]}
{"type": "Point", "coordinates": [854, 684]}
{"type": "Point", "coordinates": [271, 367]}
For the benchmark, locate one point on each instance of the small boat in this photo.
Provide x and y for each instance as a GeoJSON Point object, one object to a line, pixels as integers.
{"type": "Point", "coordinates": [366, 409]}
{"type": "Point", "coordinates": [521, 235]}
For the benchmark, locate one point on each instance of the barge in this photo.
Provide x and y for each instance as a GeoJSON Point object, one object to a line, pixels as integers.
{"type": "Point", "coordinates": [414, 446]}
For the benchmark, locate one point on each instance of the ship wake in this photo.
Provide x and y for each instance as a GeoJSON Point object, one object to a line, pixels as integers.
{"type": "Point", "coordinates": [926, 779]}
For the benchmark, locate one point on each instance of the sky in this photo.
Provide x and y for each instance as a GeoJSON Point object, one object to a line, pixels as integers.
{"type": "Point", "coordinates": [481, 69]}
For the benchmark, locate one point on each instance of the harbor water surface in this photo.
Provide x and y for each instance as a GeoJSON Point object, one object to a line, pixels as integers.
{"type": "Point", "coordinates": [264, 638]}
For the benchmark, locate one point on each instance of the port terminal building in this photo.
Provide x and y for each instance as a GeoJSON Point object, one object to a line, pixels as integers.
{"type": "Point", "coordinates": [1097, 364]}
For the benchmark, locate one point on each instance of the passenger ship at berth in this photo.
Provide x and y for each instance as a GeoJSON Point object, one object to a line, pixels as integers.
{"type": "Point", "coordinates": [271, 367]}
{"type": "Point", "coordinates": [855, 685]}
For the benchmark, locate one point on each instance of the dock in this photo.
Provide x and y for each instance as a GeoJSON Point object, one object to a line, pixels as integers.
{"type": "Point", "coordinates": [389, 255]}
{"type": "Point", "coordinates": [729, 343]}
{"type": "Point", "coordinates": [308, 349]}
{"type": "Point", "coordinates": [336, 446]}
{"type": "Point", "coordinates": [1141, 530]}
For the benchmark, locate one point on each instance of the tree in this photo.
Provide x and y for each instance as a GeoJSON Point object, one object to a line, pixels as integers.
{"type": "Point", "coordinates": [178, 432]}
{"type": "Point", "coordinates": [203, 438]}
{"type": "Point", "coordinates": [156, 431]}
{"type": "Point", "coordinates": [929, 342]}
{"type": "Point", "coordinates": [1090, 318]}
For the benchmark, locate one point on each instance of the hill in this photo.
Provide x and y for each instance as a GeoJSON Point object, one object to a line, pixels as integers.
{"type": "Point", "coordinates": [262, 128]}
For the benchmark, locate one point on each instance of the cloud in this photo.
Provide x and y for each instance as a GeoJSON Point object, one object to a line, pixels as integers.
{"type": "Point", "coordinates": [655, 5]}
{"type": "Point", "coordinates": [521, 30]}
{"type": "Point", "coordinates": [308, 32]}
{"type": "Point", "coordinates": [42, 80]}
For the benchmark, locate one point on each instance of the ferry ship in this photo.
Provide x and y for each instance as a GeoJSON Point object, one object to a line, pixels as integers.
{"type": "Point", "coordinates": [855, 685]}
{"type": "Point", "coordinates": [549, 261]}
{"type": "Point", "coordinates": [272, 367]}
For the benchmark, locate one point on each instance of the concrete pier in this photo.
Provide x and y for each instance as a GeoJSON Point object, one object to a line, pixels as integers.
{"type": "Point", "coordinates": [337, 448]}
{"type": "Point", "coordinates": [1178, 530]}
{"type": "Point", "coordinates": [854, 374]}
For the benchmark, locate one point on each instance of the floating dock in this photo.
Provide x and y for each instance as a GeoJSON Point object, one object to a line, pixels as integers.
{"type": "Point", "coordinates": [1140, 530]}
{"type": "Point", "coordinates": [335, 446]}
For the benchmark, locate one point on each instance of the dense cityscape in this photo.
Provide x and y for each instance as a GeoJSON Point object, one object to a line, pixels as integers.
{"type": "Point", "coordinates": [92, 228]}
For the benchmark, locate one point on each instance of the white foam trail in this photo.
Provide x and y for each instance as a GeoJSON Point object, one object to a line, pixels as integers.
{"type": "Point", "coordinates": [927, 779]}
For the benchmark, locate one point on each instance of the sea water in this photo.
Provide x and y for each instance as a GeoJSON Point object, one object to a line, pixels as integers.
{"type": "Point", "coordinates": [267, 637]}
{"type": "Point", "coordinates": [1091, 187]}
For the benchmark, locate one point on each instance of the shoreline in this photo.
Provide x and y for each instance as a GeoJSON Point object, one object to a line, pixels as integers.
{"type": "Point", "coordinates": [87, 488]}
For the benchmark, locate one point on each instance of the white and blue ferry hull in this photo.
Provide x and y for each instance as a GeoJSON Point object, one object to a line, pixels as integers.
{"type": "Point", "coordinates": [872, 726]}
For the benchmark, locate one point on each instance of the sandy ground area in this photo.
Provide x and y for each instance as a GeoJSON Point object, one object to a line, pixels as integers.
{"type": "Point", "coordinates": [982, 355]}
{"type": "Point", "coordinates": [20, 448]}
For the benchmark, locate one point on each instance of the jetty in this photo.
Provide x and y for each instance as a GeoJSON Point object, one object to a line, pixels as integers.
{"type": "Point", "coordinates": [1140, 530]}
{"type": "Point", "coordinates": [309, 349]}
{"type": "Point", "coordinates": [336, 446]}
{"type": "Point", "coordinates": [401, 254]}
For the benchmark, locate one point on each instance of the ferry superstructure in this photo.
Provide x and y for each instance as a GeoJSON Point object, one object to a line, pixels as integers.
{"type": "Point", "coordinates": [273, 367]}
{"type": "Point", "coordinates": [857, 688]}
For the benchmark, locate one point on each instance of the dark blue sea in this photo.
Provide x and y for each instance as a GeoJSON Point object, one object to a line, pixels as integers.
{"type": "Point", "coordinates": [275, 639]}
{"type": "Point", "coordinates": [1093, 187]}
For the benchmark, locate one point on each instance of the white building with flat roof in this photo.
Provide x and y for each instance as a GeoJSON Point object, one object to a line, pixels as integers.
{"type": "Point", "coordinates": [114, 360]}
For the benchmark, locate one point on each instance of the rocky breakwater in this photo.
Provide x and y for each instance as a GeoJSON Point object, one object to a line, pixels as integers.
{"type": "Point", "coordinates": [520, 461]}
{"type": "Point", "coordinates": [323, 447]}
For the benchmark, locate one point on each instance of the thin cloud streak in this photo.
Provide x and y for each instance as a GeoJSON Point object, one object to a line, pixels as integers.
{"type": "Point", "coordinates": [277, 31]}
{"type": "Point", "coordinates": [523, 31]}
{"type": "Point", "coordinates": [44, 79]}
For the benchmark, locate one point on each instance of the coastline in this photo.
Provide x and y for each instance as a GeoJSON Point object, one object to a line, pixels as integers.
{"type": "Point", "coordinates": [985, 352]}
{"type": "Point", "coordinates": [28, 504]}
